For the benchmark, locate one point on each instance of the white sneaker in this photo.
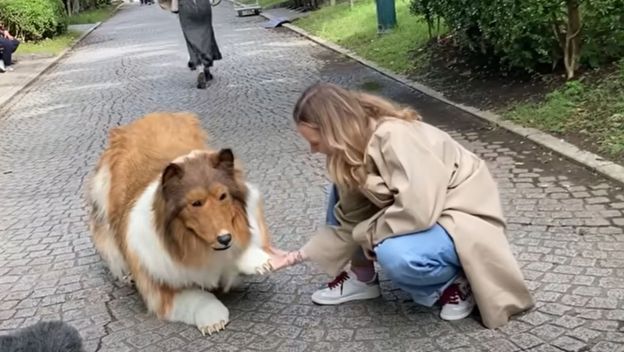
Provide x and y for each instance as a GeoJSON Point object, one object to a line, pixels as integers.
{"type": "Point", "coordinates": [346, 287]}
{"type": "Point", "coordinates": [457, 301]}
{"type": "Point", "coordinates": [2, 68]}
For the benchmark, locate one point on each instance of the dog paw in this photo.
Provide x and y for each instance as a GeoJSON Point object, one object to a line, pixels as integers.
{"type": "Point", "coordinates": [212, 329]}
{"type": "Point", "coordinates": [127, 279]}
{"type": "Point", "coordinates": [254, 261]}
{"type": "Point", "coordinates": [264, 268]}
{"type": "Point", "coordinates": [212, 317]}
{"type": "Point", "coordinates": [201, 309]}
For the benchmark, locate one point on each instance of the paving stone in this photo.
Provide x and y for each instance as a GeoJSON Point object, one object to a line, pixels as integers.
{"type": "Point", "coordinates": [564, 222]}
{"type": "Point", "coordinates": [569, 344]}
{"type": "Point", "coordinates": [526, 341]}
{"type": "Point", "coordinates": [605, 346]}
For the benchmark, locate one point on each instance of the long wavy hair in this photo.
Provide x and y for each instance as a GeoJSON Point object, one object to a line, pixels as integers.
{"type": "Point", "coordinates": [346, 120]}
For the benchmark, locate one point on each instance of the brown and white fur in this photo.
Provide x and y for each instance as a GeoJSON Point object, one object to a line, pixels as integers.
{"type": "Point", "coordinates": [163, 208]}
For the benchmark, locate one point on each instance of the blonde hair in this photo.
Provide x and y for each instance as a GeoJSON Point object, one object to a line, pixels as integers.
{"type": "Point", "coordinates": [346, 121]}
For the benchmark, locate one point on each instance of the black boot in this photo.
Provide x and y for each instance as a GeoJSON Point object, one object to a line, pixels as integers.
{"type": "Point", "coordinates": [201, 81]}
{"type": "Point", "coordinates": [192, 66]}
{"type": "Point", "coordinates": [208, 74]}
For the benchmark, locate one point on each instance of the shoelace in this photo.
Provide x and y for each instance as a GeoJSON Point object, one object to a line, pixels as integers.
{"type": "Point", "coordinates": [339, 280]}
{"type": "Point", "coordinates": [452, 295]}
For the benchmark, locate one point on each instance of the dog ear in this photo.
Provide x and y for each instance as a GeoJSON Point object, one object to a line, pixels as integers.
{"type": "Point", "coordinates": [172, 171]}
{"type": "Point", "coordinates": [224, 160]}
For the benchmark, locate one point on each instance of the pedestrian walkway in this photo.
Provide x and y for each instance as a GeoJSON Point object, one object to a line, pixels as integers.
{"type": "Point", "coordinates": [565, 223]}
{"type": "Point", "coordinates": [29, 67]}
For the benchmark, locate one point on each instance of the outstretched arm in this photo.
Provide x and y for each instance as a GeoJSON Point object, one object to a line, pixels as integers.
{"type": "Point", "coordinates": [281, 259]}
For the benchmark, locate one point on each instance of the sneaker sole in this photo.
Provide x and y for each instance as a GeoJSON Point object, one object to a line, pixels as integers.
{"type": "Point", "coordinates": [461, 316]}
{"type": "Point", "coordinates": [355, 297]}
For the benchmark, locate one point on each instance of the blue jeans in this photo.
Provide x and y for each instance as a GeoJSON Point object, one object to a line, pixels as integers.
{"type": "Point", "coordinates": [422, 264]}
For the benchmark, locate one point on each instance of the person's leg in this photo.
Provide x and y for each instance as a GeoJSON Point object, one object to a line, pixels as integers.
{"type": "Point", "coordinates": [15, 43]}
{"type": "Point", "coordinates": [332, 200]}
{"type": "Point", "coordinates": [207, 71]}
{"type": "Point", "coordinates": [422, 264]}
{"type": "Point", "coordinates": [7, 50]}
{"type": "Point", "coordinates": [425, 265]}
{"type": "Point", "coordinates": [360, 282]}
{"type": "Point", "coordinates": [361, 266]}
{"type": "Point", "coordinates": [193, 59]}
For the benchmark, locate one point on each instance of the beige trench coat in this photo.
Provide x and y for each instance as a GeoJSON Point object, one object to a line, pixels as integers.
{"type": "Point", "coordinates": [417, 176]}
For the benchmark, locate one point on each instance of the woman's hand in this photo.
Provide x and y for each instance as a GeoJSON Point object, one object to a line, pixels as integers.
{"type": "Point", "coordinates": [281, 259]}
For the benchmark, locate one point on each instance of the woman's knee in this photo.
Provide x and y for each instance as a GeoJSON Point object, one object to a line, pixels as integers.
{"type": "Point", "coordinates": [395, 265]}
{"type": "Point", "coordinates": [398, 262]}
{"type": "Point", "coordinates": [413, 258]}
{"type": "Point", "coordinates": [416, 270]}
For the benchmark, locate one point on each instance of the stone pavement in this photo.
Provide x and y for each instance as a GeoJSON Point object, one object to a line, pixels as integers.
{"type": "Point", "coordinates": [565, 224]}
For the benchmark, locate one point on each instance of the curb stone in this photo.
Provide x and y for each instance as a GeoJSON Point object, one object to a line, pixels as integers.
{"type": "Point", "coordinates": [588, 159]}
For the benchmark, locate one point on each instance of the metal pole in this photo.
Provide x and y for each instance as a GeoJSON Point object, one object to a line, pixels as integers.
{"type": "Point", "coordinates": [386, 16]}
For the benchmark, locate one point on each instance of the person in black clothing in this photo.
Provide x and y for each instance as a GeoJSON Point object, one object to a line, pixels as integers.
{"type": "Point", "coordinates": [8, 45]}
{"type": "Point", "coordinates": [196, 21]}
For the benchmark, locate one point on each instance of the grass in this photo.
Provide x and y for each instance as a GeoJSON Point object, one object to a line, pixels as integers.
{"type": "Point", "coordinates": [56, 45]}
{"type": "Point", "coordinates": [52, 46]}
{"type": "Point", "coordinates": [267, 3]}
{"type": "Point", "coordinates": [593, 110]}
{"type": "Point", "coordinates": [356, 29]}
{"type": "Point", "coordinates": [93, 16]}
{"type": "Point", "coordinates": [371, 86]}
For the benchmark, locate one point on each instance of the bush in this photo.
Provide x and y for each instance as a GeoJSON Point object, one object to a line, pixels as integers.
{"type": "Point", "coordinates": [33, 19]}
{"type": "Point", "coordinates": [603, 31]}
{"type": "Point", "coordinates": [532, 33]}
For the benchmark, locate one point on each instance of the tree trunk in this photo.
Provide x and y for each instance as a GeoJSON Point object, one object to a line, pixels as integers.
{"type": "Point", "coordinates": [572, 38]}
{"type": "Point", "coordinates": [70, 5]}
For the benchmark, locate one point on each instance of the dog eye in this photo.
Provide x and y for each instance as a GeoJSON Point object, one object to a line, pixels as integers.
{"type": "Point", "coordinates": [223, 196]}
{"type": "Point", "coordinates": [197, 203]}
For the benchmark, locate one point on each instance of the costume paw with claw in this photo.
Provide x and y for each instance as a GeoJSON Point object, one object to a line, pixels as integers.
{"type": "Point", "coordinates": [265, 268]}
{"type": "Point", "coordinates": [211, 329]}
{"type": "Point", "coordinates": [254, 261]}
{"type": "Point", "coordinates": [212, 316]}
{"type": "Point", "coordinates": [202, 309]}
{"type": "Point", "coordinates": [127, 279]}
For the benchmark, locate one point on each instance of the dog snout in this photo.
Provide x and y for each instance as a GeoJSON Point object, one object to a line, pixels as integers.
{"type": "Point", "coordinates": [224, 239]}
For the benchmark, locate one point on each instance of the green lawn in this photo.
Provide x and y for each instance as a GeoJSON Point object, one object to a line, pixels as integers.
{"type": "Point", "coordinates": [267, 3]}
{"type": "Point", "coordinates": [356, 29]}
{"type": "Point", "coordinates": [594, 110]}
{"type": "Point", "coordinates": [93, 16]}
{"type": "Point", "coordinates": [56, 45]}
{"type": "Point", "coordinates": [52, 46]}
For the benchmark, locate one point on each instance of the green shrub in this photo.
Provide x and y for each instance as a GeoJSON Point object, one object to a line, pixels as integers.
{"type": "Point", "coordinates": [33, 19]}
{"type": "Point", "coordinates": [603, 31]}
{"type": "Point", "coordinates": [531, 33]}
